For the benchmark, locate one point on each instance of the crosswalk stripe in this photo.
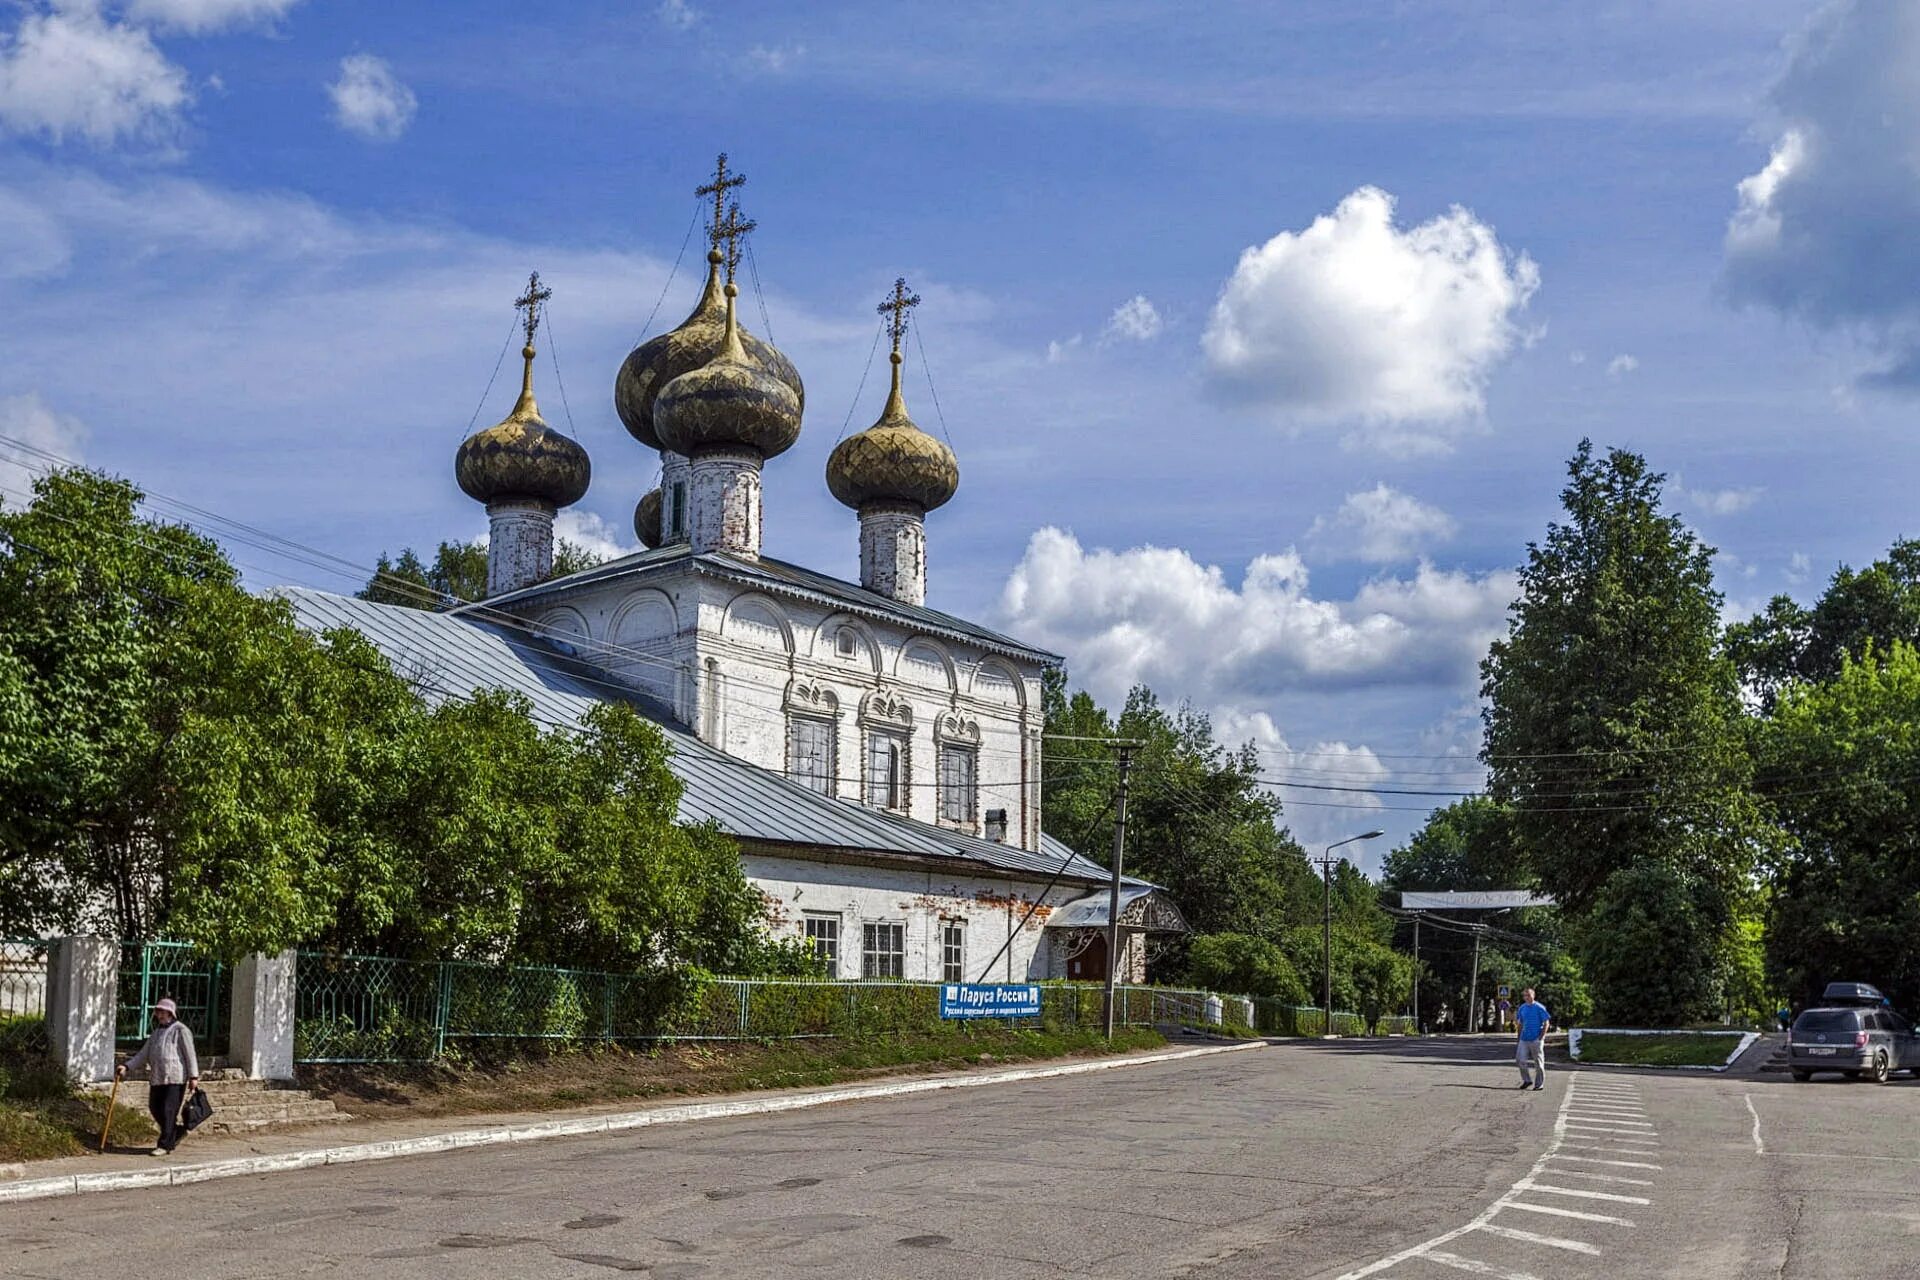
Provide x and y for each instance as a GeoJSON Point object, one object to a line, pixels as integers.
{"type": "Point", "coordinates": [1618, 1164]}
{"type": "Point", "coordinates": [1534, 1237]}
{"type": "Point", "coordinates": [1528, 1184]}
{"type": "Point", "coordinates": [1602, 1177]}
{"type": "Point", "coordinates": [1474, 1266]}
{"type": "Point", "coordinates": [1566, 1213]}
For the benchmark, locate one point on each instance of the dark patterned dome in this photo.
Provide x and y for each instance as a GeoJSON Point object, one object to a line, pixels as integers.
{"type": "Point", "coordinates": [659, 360]}
{"type": "Point", "coordinates": [731, 402]}
{"type": "Point", "coordinates": [522, 457]}
{"type": "Point", "coordinates": [893, 461]}
{"type": "Point", "coordinates": [646, 519]}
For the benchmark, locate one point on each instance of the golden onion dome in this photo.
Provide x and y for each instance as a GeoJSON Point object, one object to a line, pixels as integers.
{"type": "Point", "coordinates": [646, 519]}
{"type": "Point", "coordinates": [893, 461]}
{"type": "Point", "coordinates": [659, 360]}
{"type": "Point", "coordinates": [522, 457]}
{"type": "Point", "coordinates": [731, 402]}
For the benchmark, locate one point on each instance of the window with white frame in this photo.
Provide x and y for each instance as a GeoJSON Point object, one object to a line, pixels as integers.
{"type": "Point", "coordinates": [957, 783]}
{"type": "Point", "coordinates": [953, 951]}
{"type": "Point", "coordinates": [883, 951]}
{"type": "Point", "coordinates": [823, 935]}
{"type": "Point", "coordinates": [810, 752]}
{"type": "Point", "coordinates": [887, 770]}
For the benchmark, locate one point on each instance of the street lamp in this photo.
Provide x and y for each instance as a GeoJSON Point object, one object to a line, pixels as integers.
{"type": "Point", "coordinates": [1326, 861]}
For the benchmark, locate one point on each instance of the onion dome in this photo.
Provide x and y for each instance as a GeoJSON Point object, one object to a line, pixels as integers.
{"type": "Point", "coordinates": [659, 360]}
{"type": "Point", "coordinates": [646, 519]}
{"type": "Point", "coordinates": [731, 402]}
{"type": "Point", "coordinates": [522, 457]}
{"type": "Point", "coordinates": [893, 461]}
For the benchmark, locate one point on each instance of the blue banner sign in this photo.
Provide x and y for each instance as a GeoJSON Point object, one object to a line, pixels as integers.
{"type": "Point", "coordinates": [989, 1000]}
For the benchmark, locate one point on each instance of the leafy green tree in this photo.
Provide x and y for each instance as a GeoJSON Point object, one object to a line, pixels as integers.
{"type": "Point", "coordinates": [1241, 965]}
{"type": "Point", "coordinates": [1788, 643]}
{"type": "Point", "coordinates": [1846, 891]}
{"type": "Point", "coordinates": [1467, 845]}
{"type": "Point", "coordinates": [458, 573]}
{"type": "Point", "coordinates": [1615, 737]}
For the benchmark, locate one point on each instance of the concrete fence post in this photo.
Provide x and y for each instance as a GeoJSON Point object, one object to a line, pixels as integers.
{"type": "Point", "coordinates": [260, 1038]}
{"type": "Point", "coordinates": [82, 987]}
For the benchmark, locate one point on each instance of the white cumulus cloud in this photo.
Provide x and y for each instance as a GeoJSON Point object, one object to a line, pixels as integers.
{"type": "Point", "coordinates": [594, 533]}
{"type": "Point", "coordinates": [26, 418]}
{"type": "Point", "coordinates": [368, 99]}
{"type": "Point", "coordinates": [1717, 502]}
{"type": "Point", "coordinates": [73, 72]}
{"type": "Point", "coordinates": [774, 59]}
{"type": "Point", "coordinates": [1156, 615]}
{"type": "Point", "coordinates": [1381, 525]}
{"type": "Point", "coordinates": [1824, 230]}
{"type": "Point", "coordinates": [677, 14]}
{"type": "Point", "coordinates": [197, 17]}
{"type": "Point", "coordinates": [1356, 319]}
{"type": "Point", "coordinates": [1135, 320]}
{"type": "Point", "coordinates": [1622, 365]}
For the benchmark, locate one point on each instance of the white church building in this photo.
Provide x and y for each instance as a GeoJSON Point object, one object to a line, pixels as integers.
{"type": "Point", "coordinates": [878, 761]}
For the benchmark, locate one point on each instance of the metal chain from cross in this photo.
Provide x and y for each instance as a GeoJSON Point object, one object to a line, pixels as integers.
{"type": "Point", "coordinates": [896, 308]}
{"type": "Point", "coordinates": [530, 302]}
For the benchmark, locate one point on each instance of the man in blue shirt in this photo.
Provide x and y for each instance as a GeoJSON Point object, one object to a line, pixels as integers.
{"type": "Point", "coordinates": [1533, 1018]}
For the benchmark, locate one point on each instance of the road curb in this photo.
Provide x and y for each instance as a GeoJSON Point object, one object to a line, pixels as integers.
{"type": "Point", "coordinates": [461, 1139]}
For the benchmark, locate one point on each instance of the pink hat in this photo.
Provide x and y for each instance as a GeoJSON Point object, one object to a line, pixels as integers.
{"type": "Point", "coordinates": [169, 1006]}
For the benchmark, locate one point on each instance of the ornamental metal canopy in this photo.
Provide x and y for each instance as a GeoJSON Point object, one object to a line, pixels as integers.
{"type": "Point", "coordinates": [1141, 907]}
{"type": "Point", "coordinates": [1473, 900]}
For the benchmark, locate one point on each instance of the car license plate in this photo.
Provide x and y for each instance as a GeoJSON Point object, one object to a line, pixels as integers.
{"type": "Point", "coordinates": [1826, 1049]}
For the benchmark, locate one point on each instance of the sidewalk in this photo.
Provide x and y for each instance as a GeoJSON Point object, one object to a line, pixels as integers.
{"type": "Point", "coordinates": [201, 1160]}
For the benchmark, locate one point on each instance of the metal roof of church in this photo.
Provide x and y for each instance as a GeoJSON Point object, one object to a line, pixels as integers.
{"type": "Point", "coordinates": [445, 655]}
{"type": "Point", "coordinates": [788, 579]}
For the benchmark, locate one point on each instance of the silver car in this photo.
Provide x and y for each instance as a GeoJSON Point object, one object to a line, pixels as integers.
{"type": "Point", "coordinates": [1856, 1042]}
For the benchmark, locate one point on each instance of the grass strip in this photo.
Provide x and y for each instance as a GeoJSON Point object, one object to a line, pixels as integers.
{"type": "Point", "coordinates": [1680, 1049]}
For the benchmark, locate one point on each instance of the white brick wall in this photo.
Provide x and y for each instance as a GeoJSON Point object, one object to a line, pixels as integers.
{"type": "Point", "coordinates": [990, 907]}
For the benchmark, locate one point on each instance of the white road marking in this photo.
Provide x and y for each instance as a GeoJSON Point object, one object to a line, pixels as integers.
{"type": "Point", "coordinates": [1603, 1177]}
{"type": "Point", "coordinates": [1474, 1266]}
{"type": "Point", "coordinates": [1618, 1164]}
{"type": "Point", "coordinates": [1759, 1147]}
{"type": "Point", "coordinates": [1605, 1126]}
{"type": "Point", "coordinates": [1581, 1192]}
{"type": "Point", "coordinates": [1534, 1237]}
{"type": "Point", "coordinates": [1581, 1214]}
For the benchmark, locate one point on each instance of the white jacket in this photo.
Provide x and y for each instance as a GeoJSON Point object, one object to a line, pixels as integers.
{"type": "Point", "coordinates": [168, 1055]}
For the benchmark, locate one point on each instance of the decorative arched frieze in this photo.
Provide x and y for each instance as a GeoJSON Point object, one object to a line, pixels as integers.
{"type": "Point", "coordinates": [859, 647]}
{"type": "Point", "coordinates": [564, 623]}
{"type": "Point", "coordinates": [957, 728]}
{"type": "Point", "coordinates": [929, 655]}
{"type": "Point", "coordinates": [809, 697]}
{"type": "Point", "coordinates": [751, 617]}
{"type": "Point", "coordinates": [995, 681]}
{"type": "Point", "coordinates": [645, 617]}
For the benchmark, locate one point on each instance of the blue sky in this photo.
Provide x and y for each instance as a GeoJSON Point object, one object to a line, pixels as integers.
{"type": "Point", "coordinates": [1262, 332]}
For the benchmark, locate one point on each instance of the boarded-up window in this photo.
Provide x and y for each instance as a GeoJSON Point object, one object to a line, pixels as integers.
{"type": "Point", "coordinates": [810, 752]}
{"type": "Point", "coordinates": [886, 766]}
{"type": "Point", "coordinates": [957, 784]}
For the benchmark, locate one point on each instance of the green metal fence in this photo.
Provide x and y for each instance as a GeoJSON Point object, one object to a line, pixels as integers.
{"type": "Point", "coordinates": [1273, 1018]}
{"type": "Point", "coordinates": [350, 1008]}
{"type": "Point", "coordinates": [23, 994]}
{"type": "Point", "coordinates": [196, 983]}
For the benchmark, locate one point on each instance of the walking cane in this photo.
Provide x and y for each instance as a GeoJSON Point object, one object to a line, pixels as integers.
{"type": "Point", "coordinates": [111, 1098]}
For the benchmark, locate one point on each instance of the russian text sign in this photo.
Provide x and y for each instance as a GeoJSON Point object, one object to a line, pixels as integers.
{"type": "Point", "coordinates": [989, 1000]}
{"type": "Point", "coordinates": [1488, 900]}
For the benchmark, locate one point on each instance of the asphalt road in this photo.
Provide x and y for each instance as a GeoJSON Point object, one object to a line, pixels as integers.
{"type": "Point", "coordinates": [1392, 1158]}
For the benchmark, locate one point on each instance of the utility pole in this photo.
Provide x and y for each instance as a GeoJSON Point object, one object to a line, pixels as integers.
{"type": "Point", "coordinates": [1326, 861]}
{"type": "Point", "coordinates": [1113, 896]}
{"type": "Point", "coordinates": [1473, 988]}
{"type": "Point", "coordinates": [1417, 1028]}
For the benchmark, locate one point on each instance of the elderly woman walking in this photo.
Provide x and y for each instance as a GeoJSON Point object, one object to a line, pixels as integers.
{"type": "Point", "coordinates": [173, 1072]}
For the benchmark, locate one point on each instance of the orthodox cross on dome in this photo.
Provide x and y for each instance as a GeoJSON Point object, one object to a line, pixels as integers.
{"type": "Point", "coordinates": [531, 301]}
{"type": "Point", "coordinates": [733, 230]}
{"type": "Point", "coordinates": [720, 189]}
{"type": "Point", "coordinates": [896, 308]}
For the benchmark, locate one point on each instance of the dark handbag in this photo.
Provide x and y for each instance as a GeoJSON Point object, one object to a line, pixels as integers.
{"type": "Point", "coordinates": [197, 1111]}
